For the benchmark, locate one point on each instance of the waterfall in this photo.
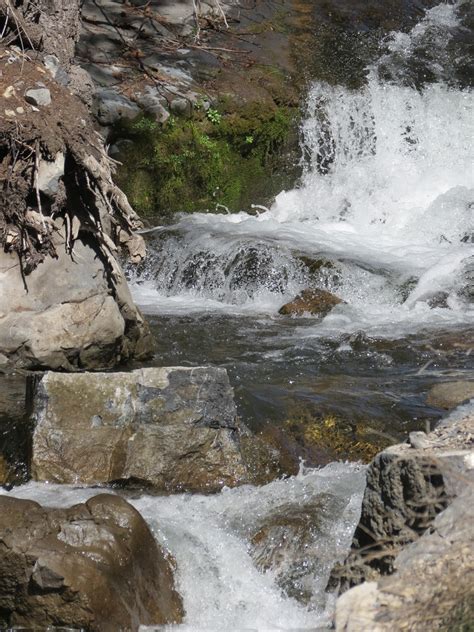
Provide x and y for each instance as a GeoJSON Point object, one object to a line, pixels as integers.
{"type": "Point", "coordinates": [386, 196]}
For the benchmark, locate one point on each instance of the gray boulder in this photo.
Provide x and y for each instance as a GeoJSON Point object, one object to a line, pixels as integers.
{"type": "Point", "coordinates": [155, 105]}
{"type": "Point", "coordinates": [432, 587]}
{"type": "Point", "coordinates": [65, 315]}
{"type": "Point", "coordinates": [408, 485]}
{"type": "Point", "coordinates": [110, 107]}
{"type": "Point", "coordinates": [173, 429]}
{"type": "Point", "coordinates": [181, 106]}
{"type": "Point", "coordinates": [95, 566]}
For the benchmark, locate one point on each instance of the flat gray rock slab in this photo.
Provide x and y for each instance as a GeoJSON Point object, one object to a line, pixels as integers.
{"type": "Point", "coordinates": [172, 429]}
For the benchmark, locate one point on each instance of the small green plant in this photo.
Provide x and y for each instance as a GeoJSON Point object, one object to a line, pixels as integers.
{"type": "Point", "coordinates": [214, 116]}
{"type": "Point", "coordinates": [225, 156]}
{"type": "Point", "coordinates": [144, 124]}
{"type": "Point", "coordinates": [205, 141]}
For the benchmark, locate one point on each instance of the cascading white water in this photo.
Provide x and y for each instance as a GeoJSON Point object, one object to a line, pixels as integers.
{"type": "Point", "coordinates": [210, 538]}
{"type": "Point", "coordinates": [387, 193]}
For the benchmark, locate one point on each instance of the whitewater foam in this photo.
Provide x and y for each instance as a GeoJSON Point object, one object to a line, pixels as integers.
{"type": "Point", "coordinates": [209, 537]}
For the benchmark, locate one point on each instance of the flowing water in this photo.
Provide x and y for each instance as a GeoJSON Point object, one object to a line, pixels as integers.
{"type": "Point", "coordinates": [384, 218]}
{"type": "Point", "coordinates": [210, 538]}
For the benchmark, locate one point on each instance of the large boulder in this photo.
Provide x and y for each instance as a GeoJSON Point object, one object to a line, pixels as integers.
{"type": "Point", "coordinates": [66, 314]}
{"type": "Point", "coordinates": [313, 301]}
{"type": "Point", "coordinates": [170, 428]}
{"type": "Point", "coordinates": [94, 566]}
{"type": "Point", "coordinates": [433, 584]}
{"type": "Point", "coordinates": [408, 485]}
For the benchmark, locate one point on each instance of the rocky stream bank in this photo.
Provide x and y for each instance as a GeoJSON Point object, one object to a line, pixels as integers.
{"type": "Point", "coordinates": [96, 565]}
{"type": "Point", "coordinates": [200, 104]}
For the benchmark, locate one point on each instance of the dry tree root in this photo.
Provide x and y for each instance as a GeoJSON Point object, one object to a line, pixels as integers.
{"type": "Point", "coordinates": [52, 140]}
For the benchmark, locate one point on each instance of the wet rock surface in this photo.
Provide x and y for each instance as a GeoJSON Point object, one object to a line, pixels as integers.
{"type": "Point", "coordinates": [287, 544]}
{"type": "Point", "coordinates": [15, 435]}
{"type": "Point", "coordinates": [450, 394]}
{"type": "Point", "coordinates": [94, 566]}
{"type": "Point", "coordinates": [172, 429]}
{"type": "Point", "coordinates": [316, 302]}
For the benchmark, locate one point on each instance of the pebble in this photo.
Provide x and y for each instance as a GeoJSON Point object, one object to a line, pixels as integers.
{"type": "Point", "coordinates": [419, 440]}
{"type": "Point", "coordinates": [38, 96]}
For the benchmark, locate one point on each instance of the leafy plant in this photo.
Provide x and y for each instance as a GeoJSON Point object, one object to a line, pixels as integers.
{"type": "Point", "coordinates": [214, 116]}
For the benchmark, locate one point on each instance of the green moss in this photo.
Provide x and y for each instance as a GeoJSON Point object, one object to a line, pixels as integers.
{"type": "Point", "coordinates": [230, 158]}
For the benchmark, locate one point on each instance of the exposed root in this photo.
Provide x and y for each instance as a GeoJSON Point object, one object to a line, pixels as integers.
{"type": "Point", "coordinates": [83, 196]}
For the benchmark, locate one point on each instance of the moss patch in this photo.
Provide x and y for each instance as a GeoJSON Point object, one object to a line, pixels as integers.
{"type": "Point", "coordinates": [229, 156]}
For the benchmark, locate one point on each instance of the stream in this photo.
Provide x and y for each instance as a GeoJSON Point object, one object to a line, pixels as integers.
{"type": "Point", "coordinates": [383, 217]}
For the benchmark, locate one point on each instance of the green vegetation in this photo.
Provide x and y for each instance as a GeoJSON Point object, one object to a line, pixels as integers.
{"type": "Point", "coordinates": [228, 156]}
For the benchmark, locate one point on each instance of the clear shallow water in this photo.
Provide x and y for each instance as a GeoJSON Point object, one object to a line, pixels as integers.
{"type": "Point", "coordinates": [210, 538]}
{"type": "Point", "coordinates": [279, 370]}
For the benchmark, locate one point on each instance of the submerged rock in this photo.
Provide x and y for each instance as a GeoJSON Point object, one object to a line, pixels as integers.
{"type": "Point", "coordinates": [287, 543]}
{"type": "Point", "coordinates": [173, 429]}
{"type": "Point", "coordinates": [94, 566]}
{"type": "Point", "coordinates": [450, 394]}
{"type": "Point", "coordinates": [313, 301]}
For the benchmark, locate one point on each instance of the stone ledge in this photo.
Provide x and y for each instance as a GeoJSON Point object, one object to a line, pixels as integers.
{"type": "Point", "coordinates": [171, 429]}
